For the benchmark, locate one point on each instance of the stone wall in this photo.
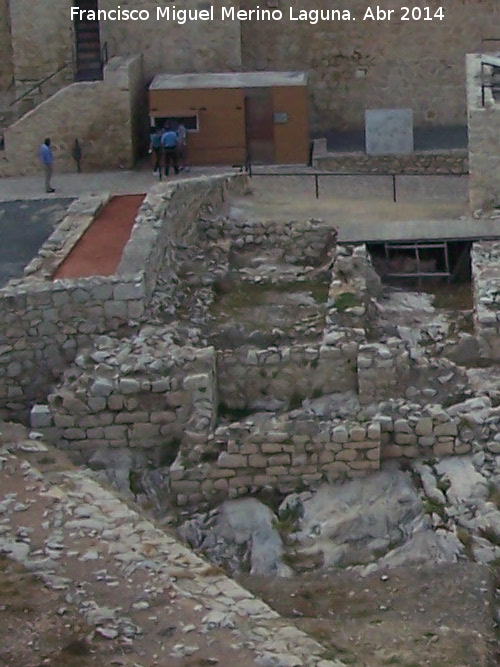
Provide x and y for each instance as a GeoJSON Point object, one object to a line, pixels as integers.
{"type": "Point", "coordinates": [306, 243]}
{"type": "Point", "coordinates": [43, 323]}
{"type": "Point", "coordinates": [102, 115]}
{"type": "Point", "coordinates": [484, 139]}
{"type": "Point", "coordinates": [287, 374]}
{"type": "Point", "coordinates": [420, 162]}
{"type": "Point", "coordinates": [150, 401]}
{"type": "Point", "coordinates": [292, 451]}
{"type": "Point", "coordinates": [196, 46]}
{"type": "Point", "coordinates": [42, 39]}
{"type": "Point", "coordinates": [280, 453]}
{"type": "Point", "coordinates": [6, 65]}
{"type": "Point", "coordinates": [358, 65]}
{"type": "Point", "coordinates": [485, 258]}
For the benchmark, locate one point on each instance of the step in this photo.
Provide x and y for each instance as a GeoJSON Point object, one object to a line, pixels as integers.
{"type": "Point", "coordinates": [88, 55]}
{"type": "Point", "coordinates": [88, 75]}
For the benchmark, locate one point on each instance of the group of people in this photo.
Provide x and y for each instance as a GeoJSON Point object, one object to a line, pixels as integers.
{"type": "Point", "coordinates": [168, 147]}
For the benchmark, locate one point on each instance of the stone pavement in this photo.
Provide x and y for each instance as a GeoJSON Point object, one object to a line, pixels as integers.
{"type": "Point", "coordinates": [135, 584]}
{"type": "Point", "coordinates": [135, 181]}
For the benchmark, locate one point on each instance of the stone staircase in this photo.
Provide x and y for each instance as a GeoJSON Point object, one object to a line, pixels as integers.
{"type": "Point", "coordinates": [89, 65]}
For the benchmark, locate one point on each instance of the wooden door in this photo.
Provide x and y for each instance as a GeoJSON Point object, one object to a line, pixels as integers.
{"type": "Point", "coordinates": [259, 125]}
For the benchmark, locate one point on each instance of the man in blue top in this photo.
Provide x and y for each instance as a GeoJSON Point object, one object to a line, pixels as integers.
{"type": "Point", "coordinates": [155, 149]}
{"type": "Point", "coordinates": [47, 160]}
{"type": "Point", "coordinates": [169, 144]}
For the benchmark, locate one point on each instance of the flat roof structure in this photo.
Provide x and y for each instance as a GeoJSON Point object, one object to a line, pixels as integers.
{"type": "Point", "coordinates": [227, 80]}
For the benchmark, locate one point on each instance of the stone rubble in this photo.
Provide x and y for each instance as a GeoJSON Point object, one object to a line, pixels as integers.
{"type": "Point", "coordinates": [144, 564]}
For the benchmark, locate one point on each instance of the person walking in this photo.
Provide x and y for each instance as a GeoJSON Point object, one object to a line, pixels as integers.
{"type": "Point", "coordinates": [169, 144]}
{"type": "Point", "coordinates": [155, 150]}
{"type": "Point", "coordinates": [182, 146]}
{"type": "Point", "coordinates": [47, 161]}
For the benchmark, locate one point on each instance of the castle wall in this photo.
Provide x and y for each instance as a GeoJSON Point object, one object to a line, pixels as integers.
{"type": "Point", "coordinates": [6, 65]}
{"type": "Point", "coordinates": [196, 46]}
{"type": "Point", "coordinates": [42, 40]}
{"type": "Point", "coordinates": [100, 114]}
{"type": "Point", "coordinates": [359, 64]}
{"type": "Point", "coordinates": [484, 139]}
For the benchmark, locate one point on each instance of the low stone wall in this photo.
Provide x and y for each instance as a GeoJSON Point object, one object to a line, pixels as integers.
{"type": "Point", "coordinates": [102, 115]}
{"type": "Point", "coordinates": [288, 374]}
{"type": "Point", "coordinates": [485, 259]}
{"type": "Point", "coordinates": [453, 161]}
{"type": "Point", "coordinates": [484, 139]}
{"type": "Point", "coordinates": [150, 395]}
{"type": "Point", "coordinates": [43, 322]}
{"type": "Point", "coordinates": [432, 433]}
{"type": "Point", "coordinates": [282, 454]}
{"type": "Point", "coordinates": [306, 243]}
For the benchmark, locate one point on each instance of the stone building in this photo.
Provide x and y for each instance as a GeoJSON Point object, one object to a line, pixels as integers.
{"type": "Point", "coordinates": [413, 57]}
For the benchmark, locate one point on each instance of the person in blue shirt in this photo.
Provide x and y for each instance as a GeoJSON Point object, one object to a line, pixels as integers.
{"type": "Point", "coordinates": [169, 145]}
{"type": "Point", "coordinates": [47, 161]}
{"type": "Point", "coordinates": [155, 150]}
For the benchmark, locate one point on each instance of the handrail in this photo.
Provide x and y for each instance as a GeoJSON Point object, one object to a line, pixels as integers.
{"type": "Point", "coordinates": [39, 83]}
{"type": "Point", "coordinates": [104, 56]}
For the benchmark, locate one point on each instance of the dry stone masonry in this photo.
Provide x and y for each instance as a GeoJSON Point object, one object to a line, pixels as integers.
{"type": "Point", "coordinates": [228, 355]}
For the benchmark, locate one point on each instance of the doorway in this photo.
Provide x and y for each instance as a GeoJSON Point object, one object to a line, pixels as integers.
{"type": "Point", "coordinates": [259, 125]}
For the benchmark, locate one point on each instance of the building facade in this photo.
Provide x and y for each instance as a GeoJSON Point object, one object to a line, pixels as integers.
{"type": "Point", "coordinates": [412, 57]}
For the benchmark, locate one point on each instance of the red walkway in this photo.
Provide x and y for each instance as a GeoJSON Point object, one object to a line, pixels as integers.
{"type": "Point", "coordinates": [100, 249]}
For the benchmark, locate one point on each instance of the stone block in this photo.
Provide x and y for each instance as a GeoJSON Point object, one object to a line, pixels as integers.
{"type": "Point", "coordinates": [339, 434]}
{"type": "Point", "coordinates": [373, 431]}
{"type": "Point", "coordinates": [264, 480]}
{"type": "Point", "coordinates": [257, 461]}
{"type": "Point", "coordinates": [65, 421]}
{"type": "Point", "coordinates": [96, 403]}
{"type": "Point", "coordinates": [115, 403]}
{"type": "Point", "coordinates": [446, 428]}
{"type": "Point", "coordinates": [424, 427]}
{"type": "Point", "coordinates": [402, 426]}
{"type": "Point", "coordinates": [346, 455]}
{"type": "Point", "coordinates": [102, 387]}
{"type": "Point", "coordinates": [357, 434]}
{"type": "Point", "coordinates": [226, 460]}
{"type": "Point", "coordinates": [279, 459]}
{"type": "Point", "coordinates": [163, 417]}
{"type": "Point", "coordinates": [74, 434]}
{"type": "Point", "coordinates": [129, 386]}
{"type": "Point", "coordinates": [443, 448]}
{"type": "Point", "coordinates": [277, 470]}
{"type": "Point", "coordinates": [115, 432]}
{"type": "Point", "coordinates": [364, 465]}
{"type": "Point", "coordinates": [40, 416]}
{"type": "Point", "coordinates": [405, 439]}
{"type": "Point", "coordinates": [270, 447]}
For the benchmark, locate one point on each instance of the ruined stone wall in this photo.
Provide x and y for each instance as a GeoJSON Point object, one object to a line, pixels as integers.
{"type": "Point", "coordinates": [43, 323]}
{"type": "Point", "coordinates": [279, 453]}
{"type": "Point", "coordinates": [145, 401]}
{"type": "Point", "coordinates": [354, 65]}
{"type": "Point", "coordinates": [484, 140]}
{"type": "Point", "coordinates": [97, 113]}
{"type": "Point", "coordinates": [288, 374]}
{"type": "Point", "coordinates": [431, 432]}
{"type": "Point", "coordinates": [6, 65]}
{"type": "Point", "coordinates": [306, 243]}
{"type": "Point", "coordinates": [485, 258]}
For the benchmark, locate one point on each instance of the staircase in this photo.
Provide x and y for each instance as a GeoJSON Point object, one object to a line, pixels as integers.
{"type": "Point", "coordinates": [89, 63]}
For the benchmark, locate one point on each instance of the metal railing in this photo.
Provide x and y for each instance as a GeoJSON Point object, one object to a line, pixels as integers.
{"type": "Point", "coordinates": [319, 174]}
{"type": "Point", "coordinates": [39, 83]}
